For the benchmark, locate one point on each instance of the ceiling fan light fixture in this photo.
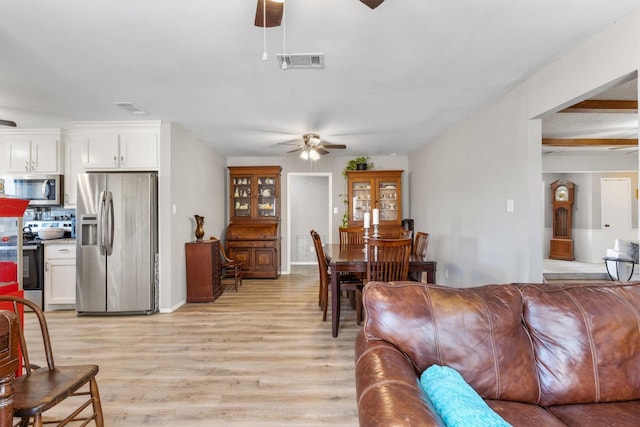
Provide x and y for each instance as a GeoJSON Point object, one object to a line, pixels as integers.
{"type": "Point", "coordinates": [313, 154]}
{"type": "Point", "coordinates": [304, 155]}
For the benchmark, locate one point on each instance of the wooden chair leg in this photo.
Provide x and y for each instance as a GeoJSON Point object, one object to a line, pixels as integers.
{"type": "Point", "coordinates": [96, 402]}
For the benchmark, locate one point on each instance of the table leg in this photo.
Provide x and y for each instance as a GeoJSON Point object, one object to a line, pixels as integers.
{"type": "Point", "coordinates": [335, 303]}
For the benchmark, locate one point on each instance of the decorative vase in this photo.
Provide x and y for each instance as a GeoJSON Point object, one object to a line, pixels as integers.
{"type": "Point", "coordinates": [199, 227]}
{"type": "Point", "coordinates": [361, 166]}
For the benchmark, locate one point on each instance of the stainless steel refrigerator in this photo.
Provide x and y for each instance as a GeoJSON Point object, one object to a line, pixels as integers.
{"type": "Point", "coordinates": [117, 243]}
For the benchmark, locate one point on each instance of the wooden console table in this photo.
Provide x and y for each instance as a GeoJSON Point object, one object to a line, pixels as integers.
{"type": "Point", "coordinates": [204, 282]}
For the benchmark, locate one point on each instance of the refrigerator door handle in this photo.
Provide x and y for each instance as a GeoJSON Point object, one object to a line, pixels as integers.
{"type": "Point", "coordinates": [109, 220]}
{"type": "Point", "coordinates": [101, 225]}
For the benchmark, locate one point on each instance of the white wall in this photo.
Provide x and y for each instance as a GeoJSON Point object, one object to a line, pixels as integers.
{"type": "Point", "coordinates": [462, 179]}
{"type": "Point", "coordinates": [192, 179]}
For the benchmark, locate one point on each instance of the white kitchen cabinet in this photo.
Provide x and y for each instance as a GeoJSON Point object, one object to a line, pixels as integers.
{"type": "Point", "coordinates": [124, 148]}
{"type": "Point", "coordinates": [31, 151]}
{"type": "Point", "coordinates": [73, 165]}
{"type": "Point", "coordinates": [59, 276]}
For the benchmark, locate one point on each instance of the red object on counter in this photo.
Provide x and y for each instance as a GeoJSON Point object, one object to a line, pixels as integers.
{"type": "Point", "coordinates": [10, 207]}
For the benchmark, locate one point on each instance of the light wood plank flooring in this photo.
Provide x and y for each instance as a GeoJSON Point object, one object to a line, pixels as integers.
{"type": "Point", "coordinates": [261, 356]}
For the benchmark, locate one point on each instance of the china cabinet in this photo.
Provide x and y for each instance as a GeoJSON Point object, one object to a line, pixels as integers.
{"type": "Point", "coordinates": [255, 193]}
{"type": "Point", "coordinates": [253, 233]}
{"type": "Point", "coordinates": [376, 189]}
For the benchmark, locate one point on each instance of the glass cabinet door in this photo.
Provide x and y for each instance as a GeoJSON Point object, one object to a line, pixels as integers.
{"type": "Point", "coordinates": [242, 196]}
{"type": "Point", "coordinates": [361, 199]}
{"type": "Point", "coordinates": [388, 199]}
{"type": "Point", "coordinates": [267, 202]}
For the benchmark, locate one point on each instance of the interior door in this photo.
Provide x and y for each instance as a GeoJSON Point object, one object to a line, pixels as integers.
{"type": "Point", "coordinates": [616, 210]}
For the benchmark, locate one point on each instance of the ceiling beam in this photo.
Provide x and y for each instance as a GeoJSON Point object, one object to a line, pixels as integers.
{"type": "Point", "coordinates": [603, 106]}
{"type": "Point", "coordinates": [589, 142]}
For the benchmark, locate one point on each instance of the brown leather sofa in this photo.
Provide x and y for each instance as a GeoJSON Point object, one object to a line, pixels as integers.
{"type": "Point", "coordinates": [539, 355]}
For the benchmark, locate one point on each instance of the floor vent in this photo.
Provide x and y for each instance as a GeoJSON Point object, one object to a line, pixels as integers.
{"type": "Point", "coordinates": [301, 60]}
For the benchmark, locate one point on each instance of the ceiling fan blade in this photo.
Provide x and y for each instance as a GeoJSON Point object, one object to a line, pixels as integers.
{"type": "Point", "coordinates": [273, 15]}
{"type": "Point", "coordinates": [334, 146]}
{"type": "Point", "coordinates": [294, 151]}
{"type": "Point", "coordinates": [321, 150]}
{"type": "Point", "coordinates": [291, 142]}
{"type": "Point", "coordinates": [8, 123]}
{"type": "Point", "coordinates": [372, 3]}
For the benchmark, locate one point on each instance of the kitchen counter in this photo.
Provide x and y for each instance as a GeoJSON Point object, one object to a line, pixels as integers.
{"type": "Point", "coordinates": [67, 240]}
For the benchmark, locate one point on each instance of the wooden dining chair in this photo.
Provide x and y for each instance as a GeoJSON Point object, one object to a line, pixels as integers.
{"type": "Point", "coordinates": [421, 243]}
{"type": "Point", "coordinates": [38, 389]}
{"type": "Point", "coordinates": [9, 363]}
{"type": "Point", "coordinates": [354, 286]}
{"type": "Point", "coordinates": [388, 260]}
{"type": "Point", "coordinates": [419, 249]}
{"type": "Point", "coordinates": [229, 268]}
{"type": "Point", "coordinates": [351, 235]}
{"type": "Point", "coordinates": [323, 274]}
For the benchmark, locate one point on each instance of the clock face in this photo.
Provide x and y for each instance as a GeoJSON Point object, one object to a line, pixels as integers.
{"type": "Point", "coordinates": [562, 193]}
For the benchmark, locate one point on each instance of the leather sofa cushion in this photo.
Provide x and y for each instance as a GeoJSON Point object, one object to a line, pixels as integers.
{"type": "Point", "coordinates": [586, 341]}
{"type": "Point", "coordinates": [476, 331]}
{"type": "Point", "coordinates": [621, 414]}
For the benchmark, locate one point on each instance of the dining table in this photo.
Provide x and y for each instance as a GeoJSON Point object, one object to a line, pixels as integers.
{"type": "Point", "coordinates": [350, 258]}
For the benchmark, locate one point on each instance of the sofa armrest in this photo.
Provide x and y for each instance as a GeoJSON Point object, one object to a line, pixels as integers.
{"type": "Point", "coordinates": [387, 388]}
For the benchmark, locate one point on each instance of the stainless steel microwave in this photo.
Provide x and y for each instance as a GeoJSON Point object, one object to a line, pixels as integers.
{"type": "Point", "coordinates": [40, 190]}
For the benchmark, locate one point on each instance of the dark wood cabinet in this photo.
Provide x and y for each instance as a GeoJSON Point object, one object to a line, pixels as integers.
{"type": "Point", "coordinates": [203, 271]}
{"type": "Point", "coordinates": [253, 234]}
{"type": "Point", "coordinates": [376, 189]}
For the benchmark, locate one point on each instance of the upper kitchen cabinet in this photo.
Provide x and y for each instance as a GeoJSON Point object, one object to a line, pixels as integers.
{"type": "Point", "coordinates": [31, 151]}
{"type": "Point", "coordinates": [73, 166]}
{"type": "Point", "coordinates": [120, 145]}
{"type": "Point", "coordinates": [376, 189]}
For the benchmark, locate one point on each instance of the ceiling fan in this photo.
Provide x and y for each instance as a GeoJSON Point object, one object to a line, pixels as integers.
{"type": "Point", "coordinates": [270, 15]}
{"type": "Point", "coordinates": [311, 146]}
{"type": "Point", "coordinates": [7, 123]}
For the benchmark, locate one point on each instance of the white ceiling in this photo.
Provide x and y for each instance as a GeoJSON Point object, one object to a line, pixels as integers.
{"type": "Point", "coordinates": [394, 76]}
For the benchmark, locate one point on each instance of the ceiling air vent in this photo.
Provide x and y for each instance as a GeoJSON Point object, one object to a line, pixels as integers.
{"type": "Point", "coordinates": [301, 60]}
{"type": "Point", "coordinates": [131, 107]}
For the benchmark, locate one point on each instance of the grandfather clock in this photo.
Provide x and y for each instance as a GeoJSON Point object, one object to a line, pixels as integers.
{"type": "Point", "coordinates": [562, 200]}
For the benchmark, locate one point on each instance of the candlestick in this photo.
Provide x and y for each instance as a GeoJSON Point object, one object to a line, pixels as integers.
{"type": "Point", "coordinates": [367, 220]}
{"type": "Point", "coordinates": [376, 216]}
{"type": "Point", "coordinates": [366, 238]}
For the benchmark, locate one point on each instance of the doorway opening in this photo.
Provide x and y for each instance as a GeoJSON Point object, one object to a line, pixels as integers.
{"type": "Point", "coordinates": [308, 208]}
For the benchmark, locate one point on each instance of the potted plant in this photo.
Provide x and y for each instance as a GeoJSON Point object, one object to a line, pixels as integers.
{"type": "Point", "coordinates": [359, 163]}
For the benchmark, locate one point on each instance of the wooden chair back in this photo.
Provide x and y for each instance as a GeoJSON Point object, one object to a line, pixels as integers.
{"type": "Point", "coordinates": [351, 235]}
{"type": "Point", "coordinates": [323, 273]}
{"type": "Point", "coordinates": [230, 268]}
{"type": "Point", "coordinates": [388, 259]}
{"type": "Point", "coordinates": [421, 243]}
{"type": "Point", "coordinates": [9, 364]}
{"type": "Point", "coordinates": [39, 389]}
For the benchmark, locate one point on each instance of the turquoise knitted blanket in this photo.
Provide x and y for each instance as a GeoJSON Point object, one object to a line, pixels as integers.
{"type": "Point", "coordinates": [455, 401]}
